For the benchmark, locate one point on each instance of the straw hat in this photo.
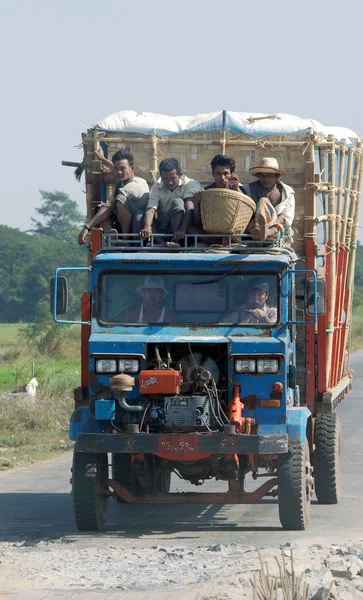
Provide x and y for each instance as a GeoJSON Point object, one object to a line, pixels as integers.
{"type": "Point", "coordinates": [152, 282]}
{"type": "Point", "coordinates": [267, 165]}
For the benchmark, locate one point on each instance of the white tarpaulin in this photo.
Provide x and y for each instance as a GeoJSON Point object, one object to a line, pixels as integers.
{"type": "Point", "coordinates": [253, 125]}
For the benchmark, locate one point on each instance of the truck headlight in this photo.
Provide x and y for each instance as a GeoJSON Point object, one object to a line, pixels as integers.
{"type": "Point", "coordinates": [128, 365]}
{"type": "Point", "coordinates": [245, 365]}
{"type": "Point", "coordinates": [267, 365]}
{"type": "Point", "coordinates": [105, 365]}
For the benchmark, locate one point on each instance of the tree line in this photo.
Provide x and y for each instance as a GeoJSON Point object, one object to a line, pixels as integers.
{"type": "Point", "coordinates": [29, 259]}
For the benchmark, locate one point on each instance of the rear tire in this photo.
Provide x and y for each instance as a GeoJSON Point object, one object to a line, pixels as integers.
{"type": "Point", "coordinates": [90, 500]}
{"type": "Point", "coordinates": [327, 458]}
{"type": "Point", "coordinates": [294, 487]}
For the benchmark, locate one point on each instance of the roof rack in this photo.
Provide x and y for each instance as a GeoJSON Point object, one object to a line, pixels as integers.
{"type": "Point", "coordinates": [239, 243]}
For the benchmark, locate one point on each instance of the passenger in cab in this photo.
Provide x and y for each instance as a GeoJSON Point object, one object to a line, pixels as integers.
{"type": "Point", "coordinates": [170, 207]}
{"type": "Point", "coordinates": [275, 202]}
{"type": "Point", "coordinates": [151, 310]}
{"type": "Point", "coordinates": [255, 310]}
{"type": "Point", "coordinates": [223, 172]}
{"type": "Point", "coordinates": [124, 213]}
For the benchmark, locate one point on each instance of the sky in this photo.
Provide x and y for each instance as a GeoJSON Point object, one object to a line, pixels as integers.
{"type": "Point", "coordinates": [66, 65]}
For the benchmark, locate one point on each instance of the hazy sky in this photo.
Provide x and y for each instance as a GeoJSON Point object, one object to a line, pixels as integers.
{"type": "Point", "coordinates": [66, 65]}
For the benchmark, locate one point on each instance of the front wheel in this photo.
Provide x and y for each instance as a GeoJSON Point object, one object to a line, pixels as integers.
{"type": "Point", "coordinates": [89, 491]}
{"type": "Point", "coordinates": [294, 479]}
{"type": "Point", "coordinates": [327, 458]}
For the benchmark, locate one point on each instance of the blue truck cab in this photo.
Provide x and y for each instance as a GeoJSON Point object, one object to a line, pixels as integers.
{"type": "Point", "coordinates": [190, 362]}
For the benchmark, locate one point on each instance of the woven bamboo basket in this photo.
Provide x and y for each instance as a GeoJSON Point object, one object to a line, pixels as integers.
{"type": "Point", "coordinates": [225, 211]}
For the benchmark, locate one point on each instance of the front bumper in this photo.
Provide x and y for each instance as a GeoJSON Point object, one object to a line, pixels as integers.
{"type": "Point", "coordinates": [177, 445]}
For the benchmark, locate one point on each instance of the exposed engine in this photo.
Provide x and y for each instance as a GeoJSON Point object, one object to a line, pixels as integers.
{"type": "Point", "coordinates": [178, 390]}
{"type": "Point", "coordinates": [182, 389]}
{"type": "Point", "coordinates": [196, 405]}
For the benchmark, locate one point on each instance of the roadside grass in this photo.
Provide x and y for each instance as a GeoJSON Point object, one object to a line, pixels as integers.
{"type": "Point", "coordinates": [32, 430]}
{"type": "Point", "coordinates": [357, 329]}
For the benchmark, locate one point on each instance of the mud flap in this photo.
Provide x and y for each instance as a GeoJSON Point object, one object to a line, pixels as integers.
{"type": "Point", "coordinates": [297, 419]}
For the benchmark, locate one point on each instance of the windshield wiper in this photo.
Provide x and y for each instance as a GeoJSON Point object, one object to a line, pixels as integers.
{"type": "Point", "coordinates": [217, 278]}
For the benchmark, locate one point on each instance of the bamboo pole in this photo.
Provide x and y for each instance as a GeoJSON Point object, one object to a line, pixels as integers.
{"type": "Point", "coordinates": [323, 189]}
{"type": "Point", "coordinates": [90, 198]}
{"type": "Point", "coordinates": [88, 156]}
{"type": "Point", "coordinates": [340, 190]}
{"type": "Point", "coordinates": [223, 140]}
{"type": "Point", "coordinates": [353, 197]}
{"type": "Point", "coordinates": [350, 275]}
{"type": "Point", "coordinates": [215, 142]}
{"type": "Point", "coordinates": [332, 249]}
{"type": "Point", "coordinates": [154, 142]}
{"type": "Point", "coordinates": [68, 163]}
{"type": "Point", "coordinates": [347, 188]}
{"type": "Point", "coordinates": [351, 265]}
{"type": "Point", "coordinates": [310, 195]}
{"type": "Point", "coordinates": [311, 138]}
{"type": "Point", "coordinates": [109, 192]}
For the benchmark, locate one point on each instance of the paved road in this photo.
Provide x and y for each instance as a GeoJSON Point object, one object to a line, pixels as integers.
{"type": "Point", "coordinates": [35, 503]}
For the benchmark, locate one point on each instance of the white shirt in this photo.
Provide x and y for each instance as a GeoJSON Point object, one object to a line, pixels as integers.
{"type": "Point", "coordinates": [161, 198]}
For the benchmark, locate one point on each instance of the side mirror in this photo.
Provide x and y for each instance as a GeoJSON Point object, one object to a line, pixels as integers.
{"type": "Point", "coordinates": [310, 291]}
{"type": "Point", "coordinates": [62, 295]}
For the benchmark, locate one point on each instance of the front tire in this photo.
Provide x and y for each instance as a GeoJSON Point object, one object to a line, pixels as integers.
{"type": "Point", "coordinates": [294, 487]}
{"type": "Point", "coordinates": [328, 458]}
{"type": "Point", "coordinates": [90, 499]}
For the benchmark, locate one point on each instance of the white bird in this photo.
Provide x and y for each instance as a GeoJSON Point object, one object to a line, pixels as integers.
{"type": "Point", "coordinates": [28, 390]}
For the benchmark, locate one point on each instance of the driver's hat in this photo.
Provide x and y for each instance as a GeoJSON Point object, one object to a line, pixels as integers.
{"type": "Point", "coordinates": [152, 282]}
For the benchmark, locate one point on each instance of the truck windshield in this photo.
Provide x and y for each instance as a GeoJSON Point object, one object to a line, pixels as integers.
{"type": "Point", "coordinates": [181, 298]}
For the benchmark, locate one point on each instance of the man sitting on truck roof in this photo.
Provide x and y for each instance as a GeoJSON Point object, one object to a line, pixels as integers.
{"type": "Point", "coordinates": [255, 310]}
{"type": "Point", "coordinates": [124, 213]}
{"type": "Point", "coordinates": [275, 201]}
{"type": "Point", "coordinates": [171, 198]}
{"type": "Point", "coordinates": [151, 311]}
{"type": "Point", "coordinates": [224, 177]}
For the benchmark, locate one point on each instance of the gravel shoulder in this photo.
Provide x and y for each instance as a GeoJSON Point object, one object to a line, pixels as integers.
{"type": "Point", "coordinates": [55, 568]}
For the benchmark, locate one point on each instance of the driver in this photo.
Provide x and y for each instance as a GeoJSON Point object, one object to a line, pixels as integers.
{"type": "Point", "coordinates": [153, 293]}
{"type": "Point", "coordinates": [256, 309]}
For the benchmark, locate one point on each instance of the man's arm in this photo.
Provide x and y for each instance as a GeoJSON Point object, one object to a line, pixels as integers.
{"type": "Point", "coordinates": [103, 213]}
{"type": "Point", "coordinates": [187, 220]}
{"type": "Point", "coordinates": [100, 156]}
{"type": "Point", "coordinates": [146, 231]}
{"type": "Point", "coordinates": [235, 182]}
{"type": "Point", "coordinates": [269, 317]}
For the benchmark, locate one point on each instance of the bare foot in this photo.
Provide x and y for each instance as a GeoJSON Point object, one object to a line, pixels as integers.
{"type": "Point", "coordinates": [262, 224]}
{"type": "Point", "coordinates": [172, 245]}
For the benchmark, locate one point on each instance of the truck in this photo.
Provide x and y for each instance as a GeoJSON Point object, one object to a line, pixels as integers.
{"type": "Point", "coordinates": [197, 395]}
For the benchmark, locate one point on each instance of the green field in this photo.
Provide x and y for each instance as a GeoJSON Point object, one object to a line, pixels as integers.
{"type": "Point", "coordinates": [31, 431]}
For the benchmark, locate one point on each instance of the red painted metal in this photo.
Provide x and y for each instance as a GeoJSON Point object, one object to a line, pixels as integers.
{"type": "Point", "coordinates": [322, 325]}
{"type": "Point", "coordinates": [235, 409]}
{"type": "Point", "coordinates": [96, 240]}
{"type": "Point", "coordinates": [85, 333]}
{"type": "Point", "coordinates": [163, 381]}
{"type": "Point", "coordinates": [310, 336]}
{"type": "Point", "coordinates": [345, 332]}
{"type": "Point", "coordinates": [341, 271]}
{"type": "Point", "coordinates": [181, 447]}
{"type": "Point", "coordinates": [343, 311]}
{"type": "Point", "coordinates": [230, 497]}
